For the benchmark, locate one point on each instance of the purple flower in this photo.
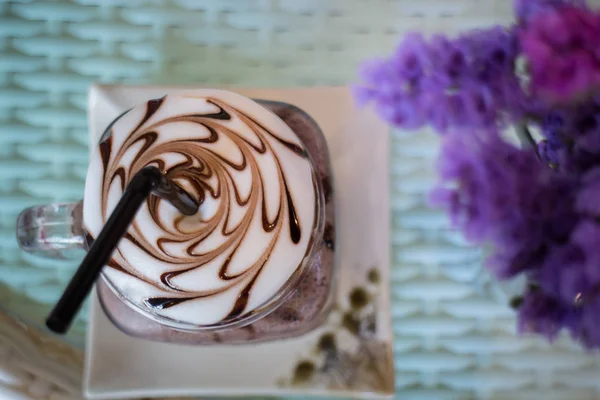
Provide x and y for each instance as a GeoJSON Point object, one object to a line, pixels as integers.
{"type": "Point", "coordinates": [572, 132]}
{"type": "Point", "coordinates": [540, 219]}
{"type": "Point", "coordinates": [543, 314]}
{"type": "Point", "coordinates": [549, 152]}
{"type": "Point", "coordinates": [588, 197]}
{"type": "Point", "coordinates": [467, 82]}
{"type": "Point", "coordinates": [501, 195]}
{"type": "Point", "coordinates": [554, 125]}
{"type": "Point", "coordinates": [491, 52]}
{"type": "Point", "coordinates": [450, 59]}
{"type": "Point", "coordinates": [412, 58]}
{"type": "Point", "coordinates": [466, 167]}
{"type": "Point", "coordinates": [576, 161]}
{"type": "Point", "coordinates": [563, 55]}
{"type": "Point", "coordinates": [588, 135]}
{"type": "Point", "coordinates": [563, 273]}
{"type": "Point", "coordinates": [585, 237]}
{"type": "Point", "coordinates": [569, 287]}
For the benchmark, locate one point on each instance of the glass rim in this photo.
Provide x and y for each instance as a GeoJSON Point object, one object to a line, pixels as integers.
{"type": "Point", "coordinates": [281, 295]}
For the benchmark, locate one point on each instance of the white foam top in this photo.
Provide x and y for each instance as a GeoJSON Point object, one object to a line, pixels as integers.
{"type": "Point", "coordinates": [253, 228]}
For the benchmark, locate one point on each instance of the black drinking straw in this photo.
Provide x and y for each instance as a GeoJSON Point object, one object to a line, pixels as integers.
{"type": "Point", "coordinates": [146, 181]}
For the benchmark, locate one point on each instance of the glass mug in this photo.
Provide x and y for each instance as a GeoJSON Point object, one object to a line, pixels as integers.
{"type": "Point", "coordinates": [242, 160]}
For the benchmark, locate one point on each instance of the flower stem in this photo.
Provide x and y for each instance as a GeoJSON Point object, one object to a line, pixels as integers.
{"type": "Point", "coordinates": [527, 139]}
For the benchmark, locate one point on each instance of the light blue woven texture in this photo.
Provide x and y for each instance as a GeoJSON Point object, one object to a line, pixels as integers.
{"type": "Point", "coordinates": [452, 342]}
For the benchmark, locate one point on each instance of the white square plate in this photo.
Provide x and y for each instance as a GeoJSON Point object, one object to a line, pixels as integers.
{"type": "Point", "coordinates": [350, 355]}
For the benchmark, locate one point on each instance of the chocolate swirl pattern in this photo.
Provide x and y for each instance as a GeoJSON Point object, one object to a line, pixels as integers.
{"type": "Point", "coordinates": [258, 207]}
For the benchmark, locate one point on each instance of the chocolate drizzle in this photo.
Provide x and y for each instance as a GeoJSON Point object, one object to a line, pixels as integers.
{"type": "Point", "coordinates": [222, 115]}
{"type": "Point", "coordinates": [122, 175]}
{"type": "Point", "coordinates": [151, 107]}
{"type": "Point", "coordinates": [148, 139]}
{"type": "Point", "coordinates": [115, 265]}
{"type": "Point", "coordinates": [162, 303]}
{"type": "Point", "coordinates": [242, 300]}
{"type": "Point", "coordinates": [295, 231]}
{"type": "Point", "coordinates": [206, 174]}
{"type": "Point", "coordinates": [105, 149]}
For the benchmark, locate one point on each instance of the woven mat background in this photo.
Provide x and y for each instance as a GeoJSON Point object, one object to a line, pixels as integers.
{"type": "Point", "coordinates": [453, 340]}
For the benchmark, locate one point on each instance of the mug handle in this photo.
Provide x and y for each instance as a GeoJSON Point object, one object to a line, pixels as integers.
{"type": "Point", "coordinates": [52, 230]}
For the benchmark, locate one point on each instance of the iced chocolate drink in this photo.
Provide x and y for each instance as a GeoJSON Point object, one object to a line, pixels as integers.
{"type": "Point", "coordinates": [256, 262]}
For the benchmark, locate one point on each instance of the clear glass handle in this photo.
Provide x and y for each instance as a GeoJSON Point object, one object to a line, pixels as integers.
{"type": "Point", "coordinates": [52, 230]}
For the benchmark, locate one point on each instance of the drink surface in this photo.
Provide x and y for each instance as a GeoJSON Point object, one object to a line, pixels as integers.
{"type": "Point", "coordinates": [258, 196]}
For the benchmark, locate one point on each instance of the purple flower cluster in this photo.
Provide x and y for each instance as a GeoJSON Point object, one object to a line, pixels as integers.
{"type": "Point", "coordinates": [460, 83]}
{"type": "Point", "coordinates": [540, 219]}
{"type": "Point", "coordinates": [563, 52]}
{"type": "Point", "coordinates": [550, 152]}
{"type": "Point", "coordinates": [572, 136]}
{"type": "Point", "coordinates": [501, 195]}
{"type": "Point", "coordinates": [568, 295]}
{"type": "Point", "coordinates": [545, 314]}
{"type": "Point", "coordinates": [541, 313]}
